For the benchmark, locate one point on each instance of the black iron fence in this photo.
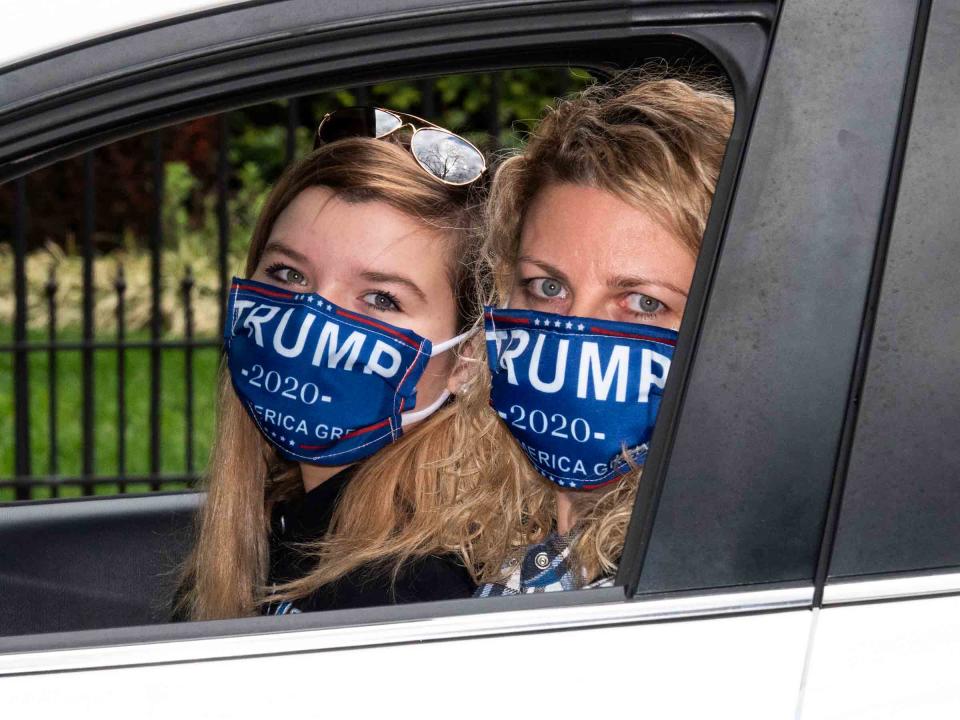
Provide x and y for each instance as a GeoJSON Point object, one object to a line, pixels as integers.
{"type": "Point", "coordinates": [101, 337]}
{"type": "Point", "coordinates": [26, 476]}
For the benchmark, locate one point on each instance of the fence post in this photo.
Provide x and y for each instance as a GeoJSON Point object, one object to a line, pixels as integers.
{"type": "Point", "coordinates": [21, 370]}
{"type": "Point", "coordinates": [428, 108]}
{"type": "Point", "coordinates": [120, 286]}
{"type": "Point", "coordinates": [52, 378]}
{"type": "Point", "coordinates": [293, 120]}
{"type": "Point", "coordinates": [156, 320]}
{"type": "Point", "coordinates": [223, 219]}
{"type": "Point", "coordinates": [87, 230]}
{"type": "Point", "coordinates": [186, 289]}
{"type": "Point", "coordinates": [493, 110]}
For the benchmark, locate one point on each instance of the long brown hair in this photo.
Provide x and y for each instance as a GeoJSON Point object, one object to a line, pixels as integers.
{"type": "Point", "coordinates": [655, 142]}
{"type": "Point", "coordinates": [401, 503]}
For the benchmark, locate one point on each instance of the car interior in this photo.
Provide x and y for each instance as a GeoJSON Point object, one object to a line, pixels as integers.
{"type": "Point", "coordinates": [96, 562]}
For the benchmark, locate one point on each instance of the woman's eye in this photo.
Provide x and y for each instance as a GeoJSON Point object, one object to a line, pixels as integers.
{"type": "Point", "coordinates": [382, 301]}
{"type": "Point", "coordinates": [547, 288]}
{"type": "Point", "coordinates": [286, 274]}
{"type": "Point", "coordinates": [640, 303]}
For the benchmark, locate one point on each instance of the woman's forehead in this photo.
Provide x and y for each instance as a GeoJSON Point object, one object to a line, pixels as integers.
{"type": "Point", "coordinates": [592, 231]}
{"type": "Point", "coordinates": [332, 232]}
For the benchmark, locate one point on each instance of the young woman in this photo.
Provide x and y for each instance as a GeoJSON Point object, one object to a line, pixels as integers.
{"type": "Point", "coordinates": [330, 483]}
{"type": "Point", "coordinates": [593, 231]}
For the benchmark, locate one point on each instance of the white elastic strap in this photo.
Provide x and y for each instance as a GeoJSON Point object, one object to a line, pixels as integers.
{"type": "Point", "coordinates": [417, 415]}
{"type": "Point", "coordinates": [452, 342]}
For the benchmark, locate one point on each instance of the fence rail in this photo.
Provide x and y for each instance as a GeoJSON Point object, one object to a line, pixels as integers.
{"type": "Point", "coordinates": [24, 478]}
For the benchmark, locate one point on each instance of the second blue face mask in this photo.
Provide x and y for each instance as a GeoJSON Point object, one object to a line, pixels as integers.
{"type": "Point", "coordinates": [324, 385]}
{"type": "Point", "coordinates": [578, 394]}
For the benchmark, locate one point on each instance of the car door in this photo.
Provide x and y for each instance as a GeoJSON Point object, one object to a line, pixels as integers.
{"type": "Point", "coordinates": [712, 610]}
{"type": "Point", "coordinates": [889, 625]}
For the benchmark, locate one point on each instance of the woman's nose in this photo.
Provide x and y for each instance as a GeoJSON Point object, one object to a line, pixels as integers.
{"type": "Point", "coordinates": [591, 304]}
{"type": "Point", "coordinates": [332, 291]}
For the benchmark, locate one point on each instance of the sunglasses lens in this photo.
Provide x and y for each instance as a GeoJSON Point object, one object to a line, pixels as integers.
{"type": "Point", "coordinates": [443, 154]}
{"type": "Point", "coordinates": [385, 122]}
{"type": "Point", "coordinates": [447, 156]}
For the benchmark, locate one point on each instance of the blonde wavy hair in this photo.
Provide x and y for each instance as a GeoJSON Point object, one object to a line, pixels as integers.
{"type": "Point", "coordinates": [655, 141]}
{"type": "Point", "coordinates": [418, 496]}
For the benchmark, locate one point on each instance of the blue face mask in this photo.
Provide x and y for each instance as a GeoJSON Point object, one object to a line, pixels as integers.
{"type": "Point", "coordinates": [324, 385]}
{"type": "Point", "coordinates": [578, 394]}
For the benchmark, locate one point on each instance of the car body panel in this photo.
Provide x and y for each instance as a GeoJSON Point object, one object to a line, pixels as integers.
{"type": "Point", "coordinates": [885, 661]}
{"type": "Point", "coordinates": [745, 667]}
{"type": "Point", "coordinates": [32, 29]}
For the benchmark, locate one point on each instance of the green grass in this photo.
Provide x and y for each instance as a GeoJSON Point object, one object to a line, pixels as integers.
{"type": "Point", "coordinates": [69, 414]}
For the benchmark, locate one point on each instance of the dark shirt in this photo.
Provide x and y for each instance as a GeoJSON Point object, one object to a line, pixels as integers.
{"type": "Point", "coordinates": [307, 519]}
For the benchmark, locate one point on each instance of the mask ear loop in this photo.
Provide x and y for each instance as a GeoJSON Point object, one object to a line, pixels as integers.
{"type": "Point", "coordinates": [417, 415]}
{"type": "Point", "coordinates": [452, 342]}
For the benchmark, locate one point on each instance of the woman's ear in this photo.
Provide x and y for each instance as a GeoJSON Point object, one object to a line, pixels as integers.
{"type": "Point", "coordinates": [459, 376]}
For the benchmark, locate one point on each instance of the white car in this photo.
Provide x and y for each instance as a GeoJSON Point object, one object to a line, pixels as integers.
{"type": "Point", "coordinates": [795, 549]}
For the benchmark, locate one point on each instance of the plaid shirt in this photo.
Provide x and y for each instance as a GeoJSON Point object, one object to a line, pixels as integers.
{"type": "Point", "coordinates": [543, 568]}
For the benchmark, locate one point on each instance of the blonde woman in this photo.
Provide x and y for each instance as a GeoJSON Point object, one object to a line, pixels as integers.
{"type": "Point", "coordinates": [594, 231]}
{"type": "Point", "coordinates": [330, 482]}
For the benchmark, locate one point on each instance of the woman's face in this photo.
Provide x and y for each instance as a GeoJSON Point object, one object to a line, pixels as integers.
{"type": "Point", "coordinates": [369, 258]}
{"type": "Point", "coordinates": [586, 252]}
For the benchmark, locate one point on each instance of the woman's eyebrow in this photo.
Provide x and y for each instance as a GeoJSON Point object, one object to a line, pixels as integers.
{"type": "Point", "coordinates": [379, 277]}
{"type": "Point", "coordinates": [624, 282]}
{"type": "Point", "coordinates": [551, 270]}
{"type": "Point", "coordinates": [278, 247]}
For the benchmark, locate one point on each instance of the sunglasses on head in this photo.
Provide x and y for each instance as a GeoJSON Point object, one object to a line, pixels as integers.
{"type": "Point", "coordinates": [448, 157]}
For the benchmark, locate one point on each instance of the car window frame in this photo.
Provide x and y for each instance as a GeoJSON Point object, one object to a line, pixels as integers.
{"type": "Point", "coordinates": [737, 37]}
